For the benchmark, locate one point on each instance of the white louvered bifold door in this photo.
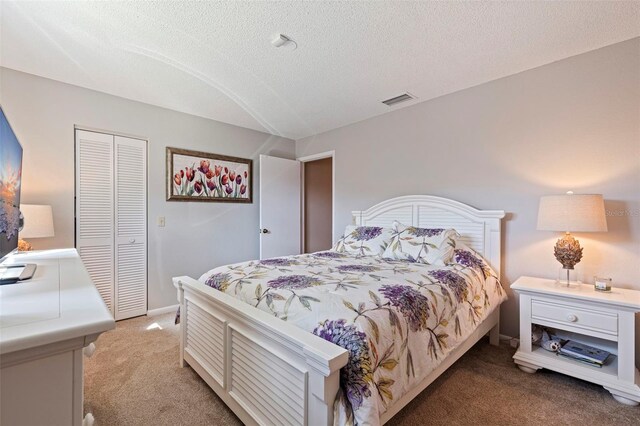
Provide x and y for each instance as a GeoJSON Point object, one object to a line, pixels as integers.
{"type": "Point", "coordinates": [130, 227]}
{"type": "Point", "coordinates": [95, 210]}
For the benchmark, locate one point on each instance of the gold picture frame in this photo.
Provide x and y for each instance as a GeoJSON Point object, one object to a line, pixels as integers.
{"type": "Point", "coordinates": [202, 176]}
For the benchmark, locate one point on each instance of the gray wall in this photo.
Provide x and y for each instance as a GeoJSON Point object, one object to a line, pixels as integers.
{"type": "Point", "coordinates": [198, 236]}
{"type": "Point", "coordinates": [572, 124]}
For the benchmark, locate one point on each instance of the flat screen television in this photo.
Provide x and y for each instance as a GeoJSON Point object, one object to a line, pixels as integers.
{"type": "Point", "coordinates": [10, 178]}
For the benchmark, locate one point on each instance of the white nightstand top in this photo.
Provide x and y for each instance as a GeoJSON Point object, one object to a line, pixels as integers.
{"type": "Point", "coordinates": [617, 296]}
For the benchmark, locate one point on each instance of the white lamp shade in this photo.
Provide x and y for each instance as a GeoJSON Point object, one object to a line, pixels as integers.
{"type": "Point", "coordinates": [38, 221]}
{"type": "Point", "coordinates": [572, 213]}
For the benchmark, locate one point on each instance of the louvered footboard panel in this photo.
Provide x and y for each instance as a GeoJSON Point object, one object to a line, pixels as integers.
{"type": "Point", "coordinates": [205, 340]}
{"type": "Point", "coordinates": [267, 371]}
{"type": "Point", "coordinates": [271, 388]}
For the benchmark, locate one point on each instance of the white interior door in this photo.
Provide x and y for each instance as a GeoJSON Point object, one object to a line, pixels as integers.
{"type": "Point", "coordinates": [280, 209]}
{"type": "Point", "coordinates": [94, 209]}
{"type": "Point", "coordinates": [130, 227]}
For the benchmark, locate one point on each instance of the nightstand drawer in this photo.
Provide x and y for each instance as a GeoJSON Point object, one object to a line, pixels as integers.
{"type": "Point", "coordinates": [575, 316]}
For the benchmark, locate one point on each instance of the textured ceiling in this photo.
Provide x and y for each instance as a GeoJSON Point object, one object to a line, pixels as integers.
{"type": "Point", "coordinates": [215, 59]}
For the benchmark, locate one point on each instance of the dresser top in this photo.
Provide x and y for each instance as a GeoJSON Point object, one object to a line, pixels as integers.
{"type": "Point", "coordinates": [59, 303]}
{"type": "Point", "coordinates": [617, 296]}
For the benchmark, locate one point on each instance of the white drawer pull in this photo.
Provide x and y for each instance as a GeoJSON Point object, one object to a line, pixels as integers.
{"type": "Point", "coordinates": [572, 318]}
{"type": "Point", "coordinates": [132, 240]}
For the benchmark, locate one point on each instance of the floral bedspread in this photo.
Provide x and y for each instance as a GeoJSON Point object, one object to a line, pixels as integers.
{"type": "Point", "coordinates": [397, 319]}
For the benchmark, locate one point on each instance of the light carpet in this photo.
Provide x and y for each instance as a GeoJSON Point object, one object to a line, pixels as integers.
{"type": "Point", "coordinates": [134, 379]}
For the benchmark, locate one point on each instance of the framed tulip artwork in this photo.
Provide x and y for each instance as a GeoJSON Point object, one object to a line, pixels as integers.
{"type": "Point", "coordinates": [200, 176]}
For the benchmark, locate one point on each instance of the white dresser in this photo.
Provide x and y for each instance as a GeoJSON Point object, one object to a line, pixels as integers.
{"type": "Point", "coordinates": [45, 323]}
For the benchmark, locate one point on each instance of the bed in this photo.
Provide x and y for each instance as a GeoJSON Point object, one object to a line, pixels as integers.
{"type": "Point", "coordinates": [264, 344]}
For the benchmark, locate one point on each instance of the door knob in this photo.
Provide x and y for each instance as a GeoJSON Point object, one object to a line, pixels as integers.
{"type": "Point", "coordinates": [264, 231]}
{"type": "Point", "coordinates": [132, 240]}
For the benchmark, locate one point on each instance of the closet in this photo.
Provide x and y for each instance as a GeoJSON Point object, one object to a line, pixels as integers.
{"type": "Point", "coordinates": [111, 218]}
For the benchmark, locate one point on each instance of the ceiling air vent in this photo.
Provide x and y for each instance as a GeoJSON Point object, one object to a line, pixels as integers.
{"type": "Point", "coordinates": [396, 100]}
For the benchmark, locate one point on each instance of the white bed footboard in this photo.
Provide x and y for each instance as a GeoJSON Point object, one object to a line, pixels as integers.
{"type": "Point", "coordinates": [267, 371]}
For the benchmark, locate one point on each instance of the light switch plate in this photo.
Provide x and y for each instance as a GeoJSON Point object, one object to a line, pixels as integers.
{"type": "Point", "coordinates": [161, 221]}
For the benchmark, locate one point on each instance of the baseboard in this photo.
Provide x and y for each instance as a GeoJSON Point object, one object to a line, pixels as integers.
{"type": "Point", "coordinates": [514, 342]}
{"type": "Point", "coordinates": [160, 311]}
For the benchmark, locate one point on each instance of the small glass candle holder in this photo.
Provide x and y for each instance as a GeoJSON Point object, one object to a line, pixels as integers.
{"type": "Point", "coordinates": [602, 284]}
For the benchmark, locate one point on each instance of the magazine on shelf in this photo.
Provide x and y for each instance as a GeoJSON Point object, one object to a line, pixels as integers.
{"type": "Point", "coordinates": [581, 351]}
{"type": "Point", "coordinates": [582, 360]}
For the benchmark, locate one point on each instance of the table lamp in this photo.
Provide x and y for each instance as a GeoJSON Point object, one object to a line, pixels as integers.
{"type": "Point", "coordinates": [38, 223]}
{"type": "Point", "coordinates": [571, 213]}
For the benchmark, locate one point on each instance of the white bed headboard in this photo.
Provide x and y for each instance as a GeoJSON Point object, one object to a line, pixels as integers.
{"type": "Point", "coordinates": [479, 229]}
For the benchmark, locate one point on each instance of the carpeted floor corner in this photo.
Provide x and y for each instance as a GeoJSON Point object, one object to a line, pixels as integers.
{"type": "Point", "coordinates": [134, 379]}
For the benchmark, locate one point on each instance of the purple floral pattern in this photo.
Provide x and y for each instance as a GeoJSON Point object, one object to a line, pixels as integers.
{"type": "Point", "coordinates": [293, 282]}
{"type": "Point", "coordinates": [470, 260]}
{"type": "Point", "coordinates": [356, 268]}
{"type": "Point", "coordinates": [424, 232]}
{"type": "Point", "coordinates": [277, 261]}
{"type": "Point", "coordinates": [357, 375]}
{"type": "Point", "coordinates": [396, 319]}
{"type": "Point", "coordinates": [413, 305]}
{"type": "Point", "coordinates": [467, 259]}
{"type": "Point", "coordinates": [329, 254]}
{"type": "Point", "coordinates": [456, 283]}
{"type": "Point", "coordinates": [366, 233]}
{"type": "Point", "coordinates": [363, 240]}
{"type": "Point", "coordinates": [219, 281]}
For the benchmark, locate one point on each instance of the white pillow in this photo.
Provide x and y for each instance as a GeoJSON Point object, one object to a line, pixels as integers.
{"type": "Point", "coordinates": [433, 246]}
{"type": "Point", "coordinates": [364, 240]}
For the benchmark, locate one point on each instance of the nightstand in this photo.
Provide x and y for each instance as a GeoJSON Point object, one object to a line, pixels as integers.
{"type": "Point", "coordinates": [604, 320]}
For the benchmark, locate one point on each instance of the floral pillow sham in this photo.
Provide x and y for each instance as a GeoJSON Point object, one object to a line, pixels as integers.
{"type": "Point", "coordinates": [364, 240]}
{"type": "Point", "coordinates": [433, 246]}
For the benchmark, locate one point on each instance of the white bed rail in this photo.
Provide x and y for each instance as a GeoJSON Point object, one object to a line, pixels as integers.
{"type": "Point", "coordinates": [265, 370]}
